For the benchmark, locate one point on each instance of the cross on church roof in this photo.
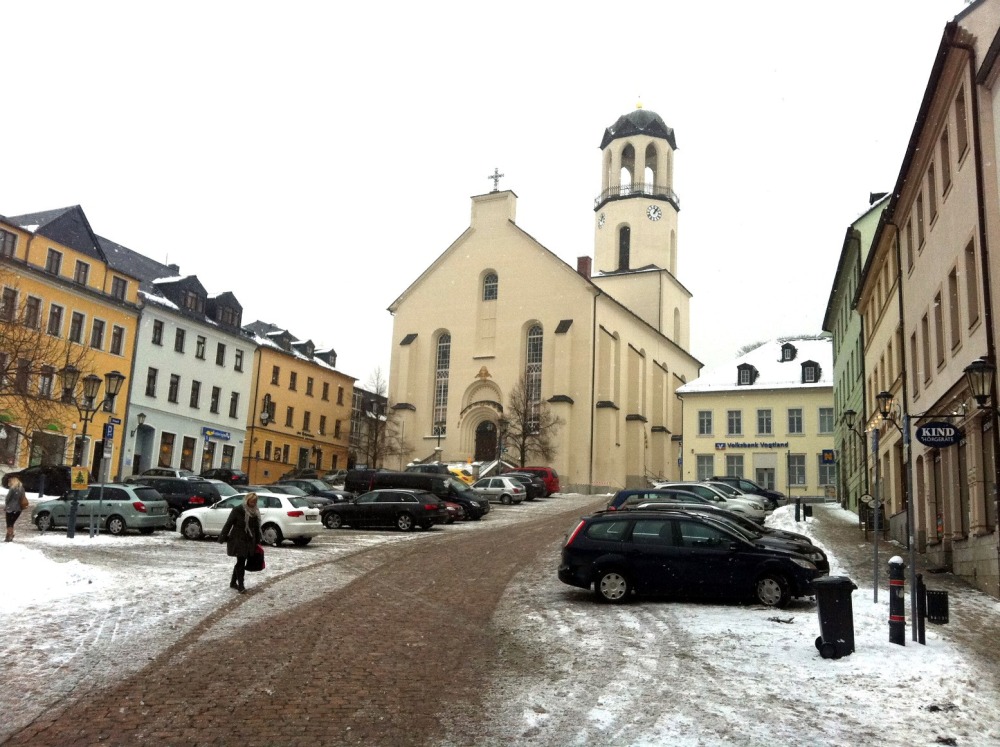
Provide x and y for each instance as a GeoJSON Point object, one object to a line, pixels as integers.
{"type": "Point", "coordinates": [495, 176]}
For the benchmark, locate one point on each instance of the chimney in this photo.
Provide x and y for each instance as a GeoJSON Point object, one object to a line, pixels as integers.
{"type": "Point", "coordinates": [583, 265]}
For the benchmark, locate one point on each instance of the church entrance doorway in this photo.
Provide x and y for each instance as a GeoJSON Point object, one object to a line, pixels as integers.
{"type": "Point", "coordinates": [486, 441]}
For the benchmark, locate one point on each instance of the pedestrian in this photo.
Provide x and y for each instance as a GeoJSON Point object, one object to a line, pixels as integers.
{"type": "Point", "coordinates": [16, 502]}
{"type": "Point", "coordinates": [242, 535]}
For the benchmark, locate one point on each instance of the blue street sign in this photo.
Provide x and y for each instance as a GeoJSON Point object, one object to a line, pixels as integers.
{"type": "Point", "coordinates": [109, 431]}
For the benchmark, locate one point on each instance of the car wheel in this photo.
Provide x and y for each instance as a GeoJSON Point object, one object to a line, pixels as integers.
{"type": "Point", "coordinates": [271, 535]}
{"type": "Point", "coordinates": [43, 521]}
{"type": "Point", "coordinates": [505, 499]}
{"type": "Point", "coordinates": [191, 529]}
{"type": "Point", "coordinates": [173, 514]}
{"type": "Point", "coordinates": [772, 590]}
{"type": "Point", "coordinates": [115, 525]}
{"type": "Point", "coordinates": [612, 586]}
{"type": "Point", "coordinates": [301, 541]}
{"type": "Point", "coordinates": [404, 522]}
{"type": "Point", "coordinates": [333, 520]}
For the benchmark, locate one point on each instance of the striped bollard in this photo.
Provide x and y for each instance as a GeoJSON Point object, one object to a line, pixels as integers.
{"type": "Point", "coordinates": [897, 613]}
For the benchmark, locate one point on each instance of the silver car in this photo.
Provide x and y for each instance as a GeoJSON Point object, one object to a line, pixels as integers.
{"type": "Point", "coordinates": [505, 490]}
{"type": "Point", "coordinates": [115, 509]}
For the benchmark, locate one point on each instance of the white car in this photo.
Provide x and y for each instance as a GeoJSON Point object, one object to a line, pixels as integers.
{"type": "Point", "coordinates": [281, 517]}
{"type": "Point", "coordinates": [748, 507]}
{"type": "Point", "coordinates": [505, 490]}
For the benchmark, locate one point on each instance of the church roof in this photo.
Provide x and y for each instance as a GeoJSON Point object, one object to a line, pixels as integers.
{"type": "Point", "coordinates": [639, 122]}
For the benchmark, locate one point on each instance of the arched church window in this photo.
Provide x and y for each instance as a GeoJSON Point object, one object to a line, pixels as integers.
{"type": "Point", "coordinates": [624, 241]}
{"type": "Point", "coordinates": [533, 377]}
{"type": "Point", "coordinates": [441, 381]}
{"type": "Point", "coordinates": [490, 283]}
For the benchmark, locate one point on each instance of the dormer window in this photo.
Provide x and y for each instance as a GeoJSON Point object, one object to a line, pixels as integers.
{"type": "Point", "coordinates": [746, 374]}
{"type": "Point", "coordinates": [810, 372]}
{"type": "Point", "coordinates": [788, 352]}
{"type": "Point", "coordinates": [192, 301]}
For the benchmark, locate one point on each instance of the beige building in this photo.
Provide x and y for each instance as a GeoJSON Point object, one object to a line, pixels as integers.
{"type": "Point", "coordinates": [604, 345]}
{"type": "Point", "coordinates": [766, 416]}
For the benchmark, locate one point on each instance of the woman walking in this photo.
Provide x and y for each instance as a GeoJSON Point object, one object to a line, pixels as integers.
{"type": "Point", "coordinates": [16, 502]}
{"type": "Point", "coordinates": [242, 535]}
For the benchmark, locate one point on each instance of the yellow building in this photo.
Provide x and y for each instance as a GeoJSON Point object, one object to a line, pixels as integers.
{"type": "Point", "coordinates": [766, 416]}
{"type": "Point", "coordinates": [57, 285]}
{"type": "Point", "coordinates": [300, 407]}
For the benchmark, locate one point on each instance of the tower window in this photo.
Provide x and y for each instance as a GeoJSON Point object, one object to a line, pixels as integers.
{"type": "Point", "coordinates": [624, 242]}
{"type": "Point", "coordinates": [490, 283]}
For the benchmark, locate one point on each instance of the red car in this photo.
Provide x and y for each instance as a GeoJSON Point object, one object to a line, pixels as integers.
{"type": "Point", "coordinates": [548, 475]}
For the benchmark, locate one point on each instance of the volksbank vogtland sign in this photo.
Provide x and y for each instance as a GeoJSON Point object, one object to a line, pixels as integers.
{"type": "Point", "coordinates": [938, 434]}
{"type": "Point", "coordinates": [723, 445]}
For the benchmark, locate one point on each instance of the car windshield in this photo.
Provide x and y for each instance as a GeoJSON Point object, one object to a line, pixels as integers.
{"type": "Point", "coordinates": [299, 502]}
{"type": "Point", "coordinates": [459, 487]}
{"type": "Point", "coordinates": [225, 489]}
{"type": "Point", "coordinates": [232, 502]}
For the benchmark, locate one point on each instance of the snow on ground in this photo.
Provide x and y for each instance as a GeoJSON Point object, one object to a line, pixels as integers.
{"type": "Point", "coordinates": [80, 612]}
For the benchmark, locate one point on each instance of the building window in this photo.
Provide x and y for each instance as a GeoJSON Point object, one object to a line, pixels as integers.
{"type": "Point", "coordinates": [97, 335]}
{"type": "Point", "coordinates": [55, 320]}
{"type": "Point", "coordinates": [326, 391]}
{"type": "Point", "coordinates": [267, 450]}
{"type": "Point", "coordinates": [490, 283]}
{"type": "Point", "coordinates": [117, 339]}
{"type": "Point", "coordinates": [238, 361]}
{"type": "Point", "coordinates": [925, 335]}
{"type": "Point", "coordinates": [931, 193]}
{"type": "Point", "coordinates": [746, 377]}
{"type": "Point", "coordinates": [961, 124]}
{"type": "Point", "coordinates": [179, 340]}
{"type": "Point", "coordinates": [920, 220]}
{"type": "Point", "coordinates": [336, 429]}
{"type": "Point", "coordinates": [734, 465]}
{"type": "Point", "coordinates": [45, 379]}
{"type": "Point", "coordinates": [953, 313]}
{"type": "Point", "coordinates": [734, 423]}
{"type": "Point", "coordinates": [119, 287]}
{"type": "Point", "coordinates": [157, 332]}
{"type": "Point", "coordinates": [764, 423]}
{"type": "Point", "coordinates": [340, 389]}
{"type": "Point", "coordinates": [33, 312]}
{"type": "Point", "coordinates": [939, 328]}
{"type": "Point", "coordinates": [275, 375]}
{"type": "Point", "coordinates": [76, 327]}
{"type": "Point", "coordinates": [533, 378]}
{"type": "Point", "coordinates": [8, 243]}
{"type": "Point", "coordinates": [809, 375]}
{"type": "Point", "coordinates": [8, 305]}
{"type": "Point", "coordinates": [199, 348]}
{"type": "Point", "coordinates": [187, 452]}
{"type": "Point", "coordinates": [195, 393]}
{"type": "Point", "coordinates": [22, 375]}
{"type": "Point", "coordinates": [166, 457]}
{"type": "Point", "coordinates": [827, 472]}
{"type": "Point", "coordinates": [945, 161]}
{"type": "Point", "coordinates": [175, 385]}
{"type": "Point", "coordinates": [309, 386]}
{"type": "Point", "coordinates": [826, 420]}
{"type": "Point", "coordinates": [441, 369]}
{"type": "Point", "coordinates": [705, 422]}
{"type": "Point", "coordinates": [216, 396]}
{"type": "Point", "coordinates": [795, 420]}
{"type": "Point", "coordinates": [284, 453]}
{"type": "Point", "coordinates": [705, 467]}
{"type": "Point", "coordinates": [230, 316]}
{"type": "Point", "coordinates": [306, 420]}
{"type": "Point", "coordinates": [82, 273]}
{"type": "Point", "coordinates": [796, 469]}
{"type": "Point", "coordinates": [322, 425]}
{"type": "Point", "coordinates": [289, 416]}
{"type": "Point", "coordinates": [293, 380]}
{"type": "Point", "coordinates": [234, 404]}
{"type": "Point", "coordinates": [220, 354]}
{"type": "Point", "coordinates": [971, 284]}
{"type": "Point", "coordinates": [193, 302]}
{"type": "Point", "coordinates": [53, 261]}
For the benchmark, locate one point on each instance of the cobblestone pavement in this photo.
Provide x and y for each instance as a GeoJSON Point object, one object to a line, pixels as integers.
{"type": "Point", "coordinates": [390, 658]}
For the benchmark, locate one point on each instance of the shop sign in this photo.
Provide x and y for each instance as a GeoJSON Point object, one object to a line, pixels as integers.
{"type": "Point", "coordinates": [938, 434]}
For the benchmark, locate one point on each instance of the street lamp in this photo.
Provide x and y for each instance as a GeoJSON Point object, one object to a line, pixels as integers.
{"type": "Point", "coordinates": [439, 430]}
{"type": "Point", "coordinates": [502, 424]}
{"type": "Point", "coordinates": [88, 406]}
{"type": "Point", "coordinates": [140, 421]}
{"type": "Point", "coordinates": [979, 374]}
{"type": "Point", "coordinates": [849, 417]}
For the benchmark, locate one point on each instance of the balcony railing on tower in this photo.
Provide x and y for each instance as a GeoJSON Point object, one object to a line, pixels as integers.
{"type": "Point", "coordinates": [658, 191]}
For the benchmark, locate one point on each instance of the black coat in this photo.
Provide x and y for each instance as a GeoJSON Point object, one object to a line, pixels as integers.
{"type": "Point", "coordinates": [240, 544]}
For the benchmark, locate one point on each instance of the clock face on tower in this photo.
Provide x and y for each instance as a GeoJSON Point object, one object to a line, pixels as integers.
{"type": "Point", "coordinates": [653, 212]}
{"type": "Point", "coordinates": [600, 220]}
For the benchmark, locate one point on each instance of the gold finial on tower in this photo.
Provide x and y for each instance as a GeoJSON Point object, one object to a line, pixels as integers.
{"type": "Point", "coordinates": [638, 104]}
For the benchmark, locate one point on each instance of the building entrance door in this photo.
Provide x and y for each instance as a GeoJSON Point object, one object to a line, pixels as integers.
{"type": "Point", "coordinates": [486, 441]}
{"type": "Point", "coordinates": [764, 476]}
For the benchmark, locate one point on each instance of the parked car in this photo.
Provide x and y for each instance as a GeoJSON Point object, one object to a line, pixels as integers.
{"type": "Point", "coordinates": [548, 475]}
{"type": "Point", "coordinates": [436, 468]}
{"type": "Point", "coordinates": [224, 489]}
{"type": "Point", "coordinates": [336, 477]}
{"type": "Point", "coordinates": [49, 479]}
{"type": "Point", "coordinates": [534, 486]}
{"type": "Point", "coordinates": [313, 486]}
{"type": "Point", "coordinates": [462, 473]}
{"type": "Point", "coordinates": [117, 508]}
{"type": "Point", "coordinates": [755, 532]}
{"type": "Point", "coordinates": [749, 505]}
{"type": "Point", "coordinates": [227, 474]}
{"type": "Point", "coordinates": [678, 554]}
{"type": "Point", "coordinates": [445, 488]}
{"type": "Point", "coordinates": [505, 490]}
{"type": "Point", "coordinates": [359, 481]}
{"type": "Point", "coordinates": [632, 497]}
{"type": "Point", "coordinates": [774, 497]}
{"type": "Point", "coordinates": [181, 493]}
{"type": "Point", "coordinates": [167, 472]}
{"type": "Point", "coordinates": [282, 517]}
{"type": "Point", "coordinates": [403, 509]}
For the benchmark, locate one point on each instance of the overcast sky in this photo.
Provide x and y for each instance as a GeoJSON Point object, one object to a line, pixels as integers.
{"type": "Point", "coordinates": [314, 158]}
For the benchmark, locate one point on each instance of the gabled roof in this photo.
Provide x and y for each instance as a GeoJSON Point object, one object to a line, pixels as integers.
{"type": "Point", "coordinates": [772, 371]}
{"type": "Point", "coordinates": [67, 226]}
{"type": "Point", "coordinates": [130, 262]}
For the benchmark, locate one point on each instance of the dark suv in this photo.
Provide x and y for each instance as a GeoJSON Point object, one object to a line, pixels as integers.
{"type": "Point", "coordinates": [56, 479]}
{"type": "Point", "coordinates": [678, 554]}
{"type": "Point", "coordinates": [227, 474]}
{"type": "Point", "coordinates": [436, 468]}
{"type": "Point", "coordinates": [181, 493]}
{"type": "Point", "coordinates": [773, 498]}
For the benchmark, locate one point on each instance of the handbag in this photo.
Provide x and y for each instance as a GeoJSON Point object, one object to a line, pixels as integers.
{"type": "Point", "coordinates": [256, 561]}
{"type": "Point", "coordinates": [24, 502]}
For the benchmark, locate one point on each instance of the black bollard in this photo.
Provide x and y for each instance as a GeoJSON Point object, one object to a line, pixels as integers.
{"type": "Point", "coordinates": [897, 613]}
{"type": "Point", "coordinates": [798, 503]}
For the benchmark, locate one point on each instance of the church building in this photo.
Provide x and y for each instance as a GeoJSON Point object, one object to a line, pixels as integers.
{"type": "Point", "coordinates": [604, 344]}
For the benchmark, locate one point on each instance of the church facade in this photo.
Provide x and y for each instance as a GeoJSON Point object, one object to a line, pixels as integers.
{"type": "Point", "coordinates": [604, 344]}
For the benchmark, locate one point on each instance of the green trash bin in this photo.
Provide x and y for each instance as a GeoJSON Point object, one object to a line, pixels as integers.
{"type": "Point", "coordinates": [836, 616]}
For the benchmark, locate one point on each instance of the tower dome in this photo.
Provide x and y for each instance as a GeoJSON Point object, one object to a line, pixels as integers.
{"type": "Point", "coordinates": [639, 122]}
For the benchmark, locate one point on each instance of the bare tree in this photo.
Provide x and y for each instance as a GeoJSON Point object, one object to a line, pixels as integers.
{"type": "Point", "coordinates": [380, 436]}
{"type": "Point", "coordinates": [31, 399]}
{"type": "Point", "coordinates": [529, 426]}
